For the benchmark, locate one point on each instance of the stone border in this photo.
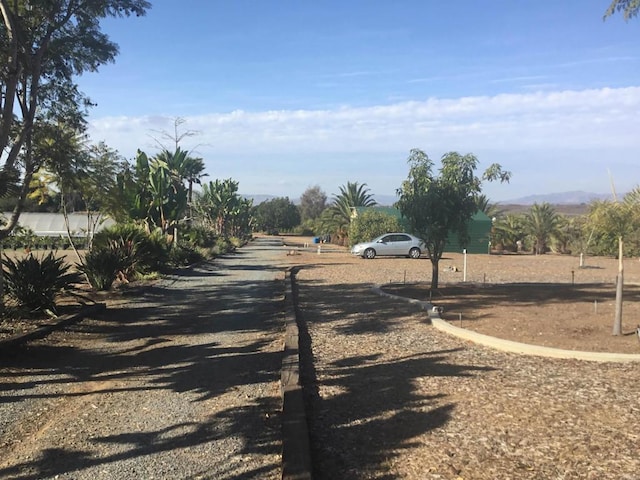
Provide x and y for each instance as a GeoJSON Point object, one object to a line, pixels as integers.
{"type": "Point", "coordinates": [296, 451]}
{"type": "Point", "coordinates": [508, 345]}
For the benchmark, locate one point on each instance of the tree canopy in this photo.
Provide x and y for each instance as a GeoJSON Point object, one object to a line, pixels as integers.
{"type": "Point", "coordinates": [43, 46]}
{"type": "Point", "coordinates": [437, 206]}
{"type": "Point", "coordinates": [629, 8]}
{"type": "Point", "coordinates": [276, 214]}
{"type": "Point", "coordinates": [312, 203]}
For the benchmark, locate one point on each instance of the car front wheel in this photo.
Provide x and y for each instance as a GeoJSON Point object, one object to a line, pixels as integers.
{"type": "Point", "coordinates": [369, 253]}
{"type": "Point", "coordinates": [414, 252]}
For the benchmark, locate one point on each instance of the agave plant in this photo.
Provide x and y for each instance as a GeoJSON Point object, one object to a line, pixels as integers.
{"type": "Point", "coordinates": [34, 283]}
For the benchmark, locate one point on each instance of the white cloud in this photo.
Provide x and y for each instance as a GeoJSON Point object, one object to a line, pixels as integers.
{"type": "Point", "coordinates": [545, 125]}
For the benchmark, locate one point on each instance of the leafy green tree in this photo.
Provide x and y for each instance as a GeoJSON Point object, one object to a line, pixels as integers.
{"type": "Point", "coordinates": [542, 222]}
{"type": "Point", "coordinates": [153, 191]}
{"type": "Point", "coordinates": [370, 224]}
{"type": "Point", "coordinates": [44, 45]}
{"type": "Point", "coordinates": [131, 196]}
{"type": "Point", "coordinates": [629, 8]}
{"type": "Point", "coordinates": [437, 206]}
{"type": "Point", "coordinates": [312, 203]}
{"type": "Point", "coordinates": [219, 206]}
{"type": "Point", "coordinates": [84, 181]}
{"type": "Point", "coordinates": [277, 214]}
{"type": "Point", "coordinates": [241, 219]}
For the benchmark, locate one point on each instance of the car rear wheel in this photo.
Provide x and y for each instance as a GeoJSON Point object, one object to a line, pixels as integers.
{"type": "Point", "coordinates": [414, 252]}
{"type": "Point", "coordinates": [369, 253]}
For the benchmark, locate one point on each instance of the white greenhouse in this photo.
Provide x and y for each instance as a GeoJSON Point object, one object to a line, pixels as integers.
{"type": "Point", "coordinates": [52, 224]}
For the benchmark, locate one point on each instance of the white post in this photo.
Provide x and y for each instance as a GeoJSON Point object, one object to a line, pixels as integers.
{"type": "Point", "coordinates": [464, 268]}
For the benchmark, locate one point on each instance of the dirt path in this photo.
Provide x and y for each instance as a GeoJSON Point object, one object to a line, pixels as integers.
{"type": "Point", "coordinates": [180, 380]}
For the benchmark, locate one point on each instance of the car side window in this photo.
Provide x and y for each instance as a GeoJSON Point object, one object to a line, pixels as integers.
{"type": "Point", "coordinates": [388, 238]}
{"type": "Point", "coordinates": [402, 238]}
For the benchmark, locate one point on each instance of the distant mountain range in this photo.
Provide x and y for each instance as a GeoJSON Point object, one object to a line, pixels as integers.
{"type": "Point", "coordinates": [563, 198]}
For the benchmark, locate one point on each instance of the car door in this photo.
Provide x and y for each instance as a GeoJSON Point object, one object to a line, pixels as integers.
{"type": "Point", "coordinates": [402, 244]}
{"type": "Point", "coordinates": [385, 245]}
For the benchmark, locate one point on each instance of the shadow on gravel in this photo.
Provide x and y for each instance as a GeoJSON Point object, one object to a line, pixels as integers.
{"type": "Point", "coordinates": [370, 408]}
{"type": "Point", "coordinates": [163, 339]}
{"type": "Point", "coordinates": [470, 299]}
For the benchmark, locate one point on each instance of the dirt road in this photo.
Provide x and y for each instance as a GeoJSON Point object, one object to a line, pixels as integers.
{"type": "Point", "coordinates": [180, 380]}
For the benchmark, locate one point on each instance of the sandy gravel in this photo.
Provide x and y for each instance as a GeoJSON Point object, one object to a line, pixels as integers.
{"type": "Point", "coordinates": [391, 397]}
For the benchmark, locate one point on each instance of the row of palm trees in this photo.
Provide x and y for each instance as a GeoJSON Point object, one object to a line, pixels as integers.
{"type": "Point", "coordinates": [542, 228]}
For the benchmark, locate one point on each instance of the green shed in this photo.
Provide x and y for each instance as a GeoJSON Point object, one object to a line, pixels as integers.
{"type": "Point", "coordinates": [479, 235]}
{"type": "Point", "coordinates": [479, 230]}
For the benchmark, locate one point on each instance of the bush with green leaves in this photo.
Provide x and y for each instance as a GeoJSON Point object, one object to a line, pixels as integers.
{"type": "Point", "coordinates": [184, 255]}
{"type": "Point", "coordinates": [370, 224]}
{"type": "Point", "coordinates": [101, 266]}
{"type": "Point", "coordinates": [35, 282]}
{"type": "Point", "coordinates": [139, 251]}
{"type": "Point", "coordinates": [199, 236]}
{"type": "Point", "coordinates": [222, 246]}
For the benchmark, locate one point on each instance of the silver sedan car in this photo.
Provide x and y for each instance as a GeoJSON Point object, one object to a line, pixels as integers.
{"type": "Point", "coordinates": [391, 244]}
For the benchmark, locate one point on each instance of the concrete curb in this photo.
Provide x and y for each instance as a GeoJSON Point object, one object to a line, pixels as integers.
{"type": "Point", "coordinates": [296, 451]}
{"type": "Point", "coordinates": [508, 345]}
{"type": "Point", "coordinates": [16, 340]}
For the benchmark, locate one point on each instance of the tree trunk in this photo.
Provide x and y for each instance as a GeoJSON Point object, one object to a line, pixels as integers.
{"type": "Point", "coordinates": [617, 322]}
{"type": "Point", "coordinates": [434, 273]}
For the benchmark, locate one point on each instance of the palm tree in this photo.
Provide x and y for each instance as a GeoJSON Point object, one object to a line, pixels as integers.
{"type": "Point", "coordinates": [193, 172]}
{"type": "Point", "coordinates": [485, 205]}
{"type": "Point", "coordinates": [542, 223]}
{"type": "Point", "coordinates": [338, 217]}
{"type": "Point", "coordinates": [507, 231]}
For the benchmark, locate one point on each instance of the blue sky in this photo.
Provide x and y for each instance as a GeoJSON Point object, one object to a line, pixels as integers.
{"type": "Point", "coordinates": [289, 94]}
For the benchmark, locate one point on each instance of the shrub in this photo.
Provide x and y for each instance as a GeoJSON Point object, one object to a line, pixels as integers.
{"type": "Point", "coordinates": [139, 251]}
{"type": "Point", "coordinates": [199, 236]}
{"type": "Point", "coordinates": [34, 283]}
{"type": "Point", "coordinates": [370, 224]}
{"type": "Point", "coordinates": [101, 266]}
{"type": "Point", "coordinates": [222, 246]}
{"type": "Point", "coordinates": [184, 255]}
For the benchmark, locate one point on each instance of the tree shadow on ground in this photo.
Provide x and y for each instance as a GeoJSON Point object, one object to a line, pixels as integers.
{"type": "Point", "coordinates": [470, 299]}
{"type": "Point", "coordinates": [371, 408]}
{"type": "Point", "coordinates": [190, 337]}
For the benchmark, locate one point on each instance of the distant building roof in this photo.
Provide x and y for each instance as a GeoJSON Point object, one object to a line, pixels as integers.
{"type": "Point", "coordinates": [53, 225]}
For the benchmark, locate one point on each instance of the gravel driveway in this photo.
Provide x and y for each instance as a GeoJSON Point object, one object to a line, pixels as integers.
{"type": "Point", "coordinates": [179, 380]}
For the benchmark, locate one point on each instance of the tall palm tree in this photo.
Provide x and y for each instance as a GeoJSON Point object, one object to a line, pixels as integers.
{"type": "Point", "coordinates": [338, 217]}
{"type": "Point", "coordinates": [542, 223]}
{"type": "Point", "coordinates": [193, 173]}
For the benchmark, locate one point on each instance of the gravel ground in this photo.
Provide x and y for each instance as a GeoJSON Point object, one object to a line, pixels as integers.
{"type": "Point", "coordinates": [392, 397]}
{"type": "Point", "coordinates": [181, 380]}
{"type": "Point", "coordinates": [178, 380]}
